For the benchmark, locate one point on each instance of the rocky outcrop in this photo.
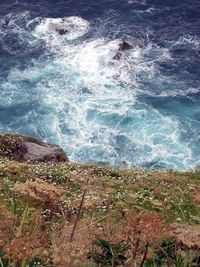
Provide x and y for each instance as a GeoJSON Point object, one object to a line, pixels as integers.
{"type": "Point", "coordinates": [122, 47]}
{"type": "Point", "coordinates": [62, 31]}
{"type": "Point", "coordinates": [26, 148]}
{"type": "Point", "coordinates": [117, 56]}
{"type": "Point", "coordinates": [125, 46]}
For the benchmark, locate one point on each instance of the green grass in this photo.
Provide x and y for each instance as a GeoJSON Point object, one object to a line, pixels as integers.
{"type": "Point", "coordinates": [109, 190]}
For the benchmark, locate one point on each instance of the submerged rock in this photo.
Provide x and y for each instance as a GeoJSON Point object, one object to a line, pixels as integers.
{"type": "Point", "coordinates": [26, 148]}
{"type": "Point", "coordinates": [117, 56]}
{"type": "Point", "coordinates": [122, 47]}
{"type": "Point", "coordinates": [125, 46]}
{"type": "Point", "coordinates": [62, 31]}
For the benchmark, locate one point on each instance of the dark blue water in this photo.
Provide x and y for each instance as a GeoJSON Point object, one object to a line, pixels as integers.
{"type": "Point", "coordinates": [143, 109]}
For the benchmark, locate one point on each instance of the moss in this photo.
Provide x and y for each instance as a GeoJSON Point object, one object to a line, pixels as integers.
{"type": "Point", "coordinates": [62, 156]}
{"type": "Point", "coordinates": [46, 158]}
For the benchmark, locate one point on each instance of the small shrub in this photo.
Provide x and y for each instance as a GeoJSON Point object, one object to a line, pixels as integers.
{"type": "Point", "coordinates": [109, 254]}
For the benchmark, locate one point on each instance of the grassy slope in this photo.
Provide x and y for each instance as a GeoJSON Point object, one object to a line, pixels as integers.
{"type": "Point", "coordinates": [108, 190]}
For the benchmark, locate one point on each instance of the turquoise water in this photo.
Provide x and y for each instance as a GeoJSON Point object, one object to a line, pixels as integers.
{"type": "Point", "coordinates": [66, 89]}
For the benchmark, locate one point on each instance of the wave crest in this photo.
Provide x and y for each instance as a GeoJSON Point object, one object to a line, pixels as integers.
{"type": "Point", "coordinates": [48, 28]}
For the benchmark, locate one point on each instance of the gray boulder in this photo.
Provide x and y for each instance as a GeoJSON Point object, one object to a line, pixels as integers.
{"type": "Point", "coordinates": [26, 148]}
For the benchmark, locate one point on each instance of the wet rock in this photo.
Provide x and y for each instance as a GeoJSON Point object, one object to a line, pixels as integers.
{"type": "Point", "coordinates": [125, 46]}
{"type": "Point", "coordinates": [117, 56]}
{"type": "Point", "coordinates": [85, 90]}
{"type": "Point", "coordinates": [30, 149]}
{"type": "Point", "coordinates": [62, 31]}
{"type": "Point", "coordinates": [122, 47]}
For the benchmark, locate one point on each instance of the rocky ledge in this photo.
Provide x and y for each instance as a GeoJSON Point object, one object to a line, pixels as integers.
{"type": "Point", "coordinates": [26, 148]}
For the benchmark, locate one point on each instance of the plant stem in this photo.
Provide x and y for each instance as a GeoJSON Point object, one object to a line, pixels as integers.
{"type": "Point", "coordinates": [9, 228]}
{"type": "Point", "coordinates": [134, 252]}
{"type": "Point", "coordinates": [35, 224]}
{"type": "Point", "coordinates": [14, 210]}
{"type": "Point", "coordinates": [145, 255]}
{"type": "Point", "coordinates": [113, 257]}
{"type": "Point", "coordinates": [23, 220]}
{"type": "Point", "coordinates": [1, 263]}
{"type": "Point", "coordinates": [77, 217]}
{"type": "Point", "coordinates": [186, 262]}
{"type": "Point", "coordinates": [79, 230]}
{"type": "Point", "coordinates": [23, 264]}
{"type": "Point", "coordinates": [7, 195]}
{"type": "Point", "coordinates": [14, 263]}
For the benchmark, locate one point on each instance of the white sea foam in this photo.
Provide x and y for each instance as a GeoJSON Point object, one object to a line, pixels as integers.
{"type": "Point", "coordinates": [143, 2]}
{"type": "Point", "coordinates": [193, 41]}
{"type": "Point", "coordinates": [48, 29]}
{"type": "Point", "coordinates": [88, 102]}
{"type": "Point", "coordinates": [187, 92]}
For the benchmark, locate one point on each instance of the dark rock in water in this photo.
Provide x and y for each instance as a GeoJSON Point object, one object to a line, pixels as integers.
{"type": "Point", "coordinates": [62, 31]}
{"type": "Point", "coordinates": [85, 90]}
{"type": "Point", "coordinates": [122, 47]}
{"type": "Point", "coordinates": [117, 56]}
{"type": "Point", "coordinates": [26, 148]}
{"type": "Point", "coordinates": [125, 46]}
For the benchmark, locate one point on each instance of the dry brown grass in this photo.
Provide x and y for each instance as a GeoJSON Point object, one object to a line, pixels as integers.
{"type": "Point", "coordinates": [66, 253]}
{"type": "Point", "coordinates": [196, 195]}
{"type": "Point", "coordinates": [40, 192]}
{"type": "Point", "coordinates": [187, 235]}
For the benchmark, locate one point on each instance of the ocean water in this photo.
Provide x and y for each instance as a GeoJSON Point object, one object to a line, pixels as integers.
{"type": "Point", "coordinates": [143, 109]}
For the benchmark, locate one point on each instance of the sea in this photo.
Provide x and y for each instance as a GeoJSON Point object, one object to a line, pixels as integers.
{"type": "Point", "coordinates": [59, 81]}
